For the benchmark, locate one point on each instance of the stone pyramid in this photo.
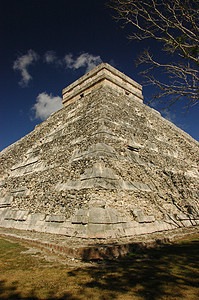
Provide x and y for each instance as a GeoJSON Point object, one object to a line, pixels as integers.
{"type": "Point", "coordinates": [105, 166]}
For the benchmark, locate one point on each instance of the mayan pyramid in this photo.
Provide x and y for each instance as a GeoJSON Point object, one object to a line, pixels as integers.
{"type": "Point", "coordinates": [105, 166]}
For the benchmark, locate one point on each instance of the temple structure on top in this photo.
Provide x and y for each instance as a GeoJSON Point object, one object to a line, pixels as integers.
{"type": "Point", "coordinates": [103, 75]}
{"type": "Point", "coordinates": [105, 166]}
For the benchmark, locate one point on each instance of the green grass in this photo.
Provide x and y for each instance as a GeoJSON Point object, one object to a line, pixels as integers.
{"type": "Point", "coordinates": [167, 272]}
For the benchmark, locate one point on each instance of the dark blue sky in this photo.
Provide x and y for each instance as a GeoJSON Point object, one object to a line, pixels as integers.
{"type": "Point", "coordinates": [46, 45]}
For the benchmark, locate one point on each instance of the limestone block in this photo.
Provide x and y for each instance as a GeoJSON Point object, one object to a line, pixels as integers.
{"type": "Point", "coordinates": [53, 134]}
{"type": "Point", "coordinates": [52, 227]}
{"type": "Point", "coordinates": [98, 171]}
{"type": "Point", "coordinates": [97, 231]}
{"type": "Point", "coordinates": [6, 201]}
{"type": "Point", "coordinates": [94, 150]}
{"type": "Point", "coordinates": [66, 231]}
{"type": "Point", "coordinates": [77, 185]}
{"type": "Point", "coordinates": [103, 183]}
{"type": "Point", "coordinates": [119, 229]}
{"type": "Point", "coordinates": [34, 218]}
{"type": "Point", "coordinates": [102, 148]}
{"type": "Point", "coordinates": [130, 224]}
{"type": "Point", "coordinates": [21, 215]}
{"type": "Point", "coordinates": [80, 217]}
{"type": "Point", "coordinates": [142, 218]}
{"type": "Point", "coordinates": [105, 178]}
{"type": "Point", "coordinates": [20, 225]}
{"type": "Point", "coordinates": [67, 223]}
{"type": "Point", "coordinates": [25, 163]}
{"type": "Point", "coordinates": [55, 218]}
{"type": "Point", "coordinates": [17, 215]}
{"type": "Point", "coordinates": [97, 203]}
{"type": "Point", "coordinates": [10, 214]}
{"type": "Point", "coordinates": [29, 163]}
{"type": "Point", "coordinates": [139, 215]}
{"type": "Point", "coordinates": [21, 191]}
{"type": "Point", "coordinates": [126, 185]}
{"type": "Point", "coordinates": [67, 226]}
{"type": "Point", "coordinates": [95, 228]}
{"type": "Point", "coordinates": [165, 226]}
{"type": "Point", "coordinates": [105, 131]}
{"type": "Point", "coordinates": [192, 173]}
{"type": "Point", "coordinates": [77, 141]}
{"type": "Point", "coordinates": [39, 226]}
{"type": "Point", "coordinates": [73, 120]}
{"type": "Point", "coordinates": [133, 186]}
{"type": "Point", "coordinates": [133, 147]}
{"type": "Point", "coordinates": [129, 231]}
{"type": "Point", "coordinates": [152, 146]}
{"type": "Point", "coordinates": [188, 223]}
{"type": "Point", "coordinates": [134, 157]}
{"type": "Point", "coordinates": [89, 183]}
{"type": "Point", "coordinates": [61, 186]}
{"type": "Point", "coordinates": [8, 223]}
{"type": "Point", "coordinates": [3, 213]}
{"type": "Point", "coordinates": [99, 215]}
{"type": "Point", "coordinates": [138, 230]}
{"type": "Point", "coordinates": [142, 186]}
{"type": "Point", "coordinates": [182, 217]}
{"type": "Point", "coordinates": [35, 166]}
{"type": "Point", "coordinates": [162, 225]}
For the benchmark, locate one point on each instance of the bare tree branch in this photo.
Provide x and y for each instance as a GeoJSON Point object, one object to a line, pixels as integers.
{"type": "Point", "coordinates": [174, 23]}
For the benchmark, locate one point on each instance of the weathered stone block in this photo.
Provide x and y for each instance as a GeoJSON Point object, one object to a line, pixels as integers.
{"type": "Point", "coordinates": [17, 215]}
{"type": "Point", "coordinates": [35, 217]}
{"type": "Point", "coordinates": [142, 218]}
{"type": "Point", "coordinates": [55, 218]}
{"type": "Point", "coordinates": [6, 201]}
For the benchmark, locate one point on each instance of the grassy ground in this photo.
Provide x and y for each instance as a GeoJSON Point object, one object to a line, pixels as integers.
{"type": "Point", "coordinates": [169, 272]}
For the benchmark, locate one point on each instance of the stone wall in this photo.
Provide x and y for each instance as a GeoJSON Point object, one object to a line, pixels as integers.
{"type": "Point", "coordinates": [105, 165]}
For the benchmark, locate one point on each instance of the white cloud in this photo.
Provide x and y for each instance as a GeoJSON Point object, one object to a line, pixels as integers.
{"type": "Point", "coordinates": [86, 60]}
{"type": "Point", "coordinates": [168, 115]}
{"type": "Point", "coordinates": [50, 57]}
{"type": "Point", "coordinates": [45, 105]}
{"type": "Point", "coordinates": [22, 63]}
{"type": "Point", "coordinates": [69, 60]}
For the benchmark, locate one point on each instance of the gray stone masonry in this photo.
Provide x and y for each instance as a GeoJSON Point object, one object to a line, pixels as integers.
{"type": "Point", "coordinates": [106, 166]}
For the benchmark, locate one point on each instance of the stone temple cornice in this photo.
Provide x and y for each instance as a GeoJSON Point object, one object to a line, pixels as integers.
{"type": "Point", "coordinates": [102, 75]}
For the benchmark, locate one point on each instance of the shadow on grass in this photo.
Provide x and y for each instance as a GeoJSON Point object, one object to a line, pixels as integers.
{"type": "Point", "coordinates": [167, 272]}
{"type": "Point", "coordinates": [13, 294]}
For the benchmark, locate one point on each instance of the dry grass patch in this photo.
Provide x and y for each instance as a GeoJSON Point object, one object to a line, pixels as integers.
{"type": "Point", "coordinates": [167, 272]}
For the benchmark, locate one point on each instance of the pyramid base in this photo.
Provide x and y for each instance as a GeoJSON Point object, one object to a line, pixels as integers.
{"type": "Point", "coordinates": [73, 248]}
